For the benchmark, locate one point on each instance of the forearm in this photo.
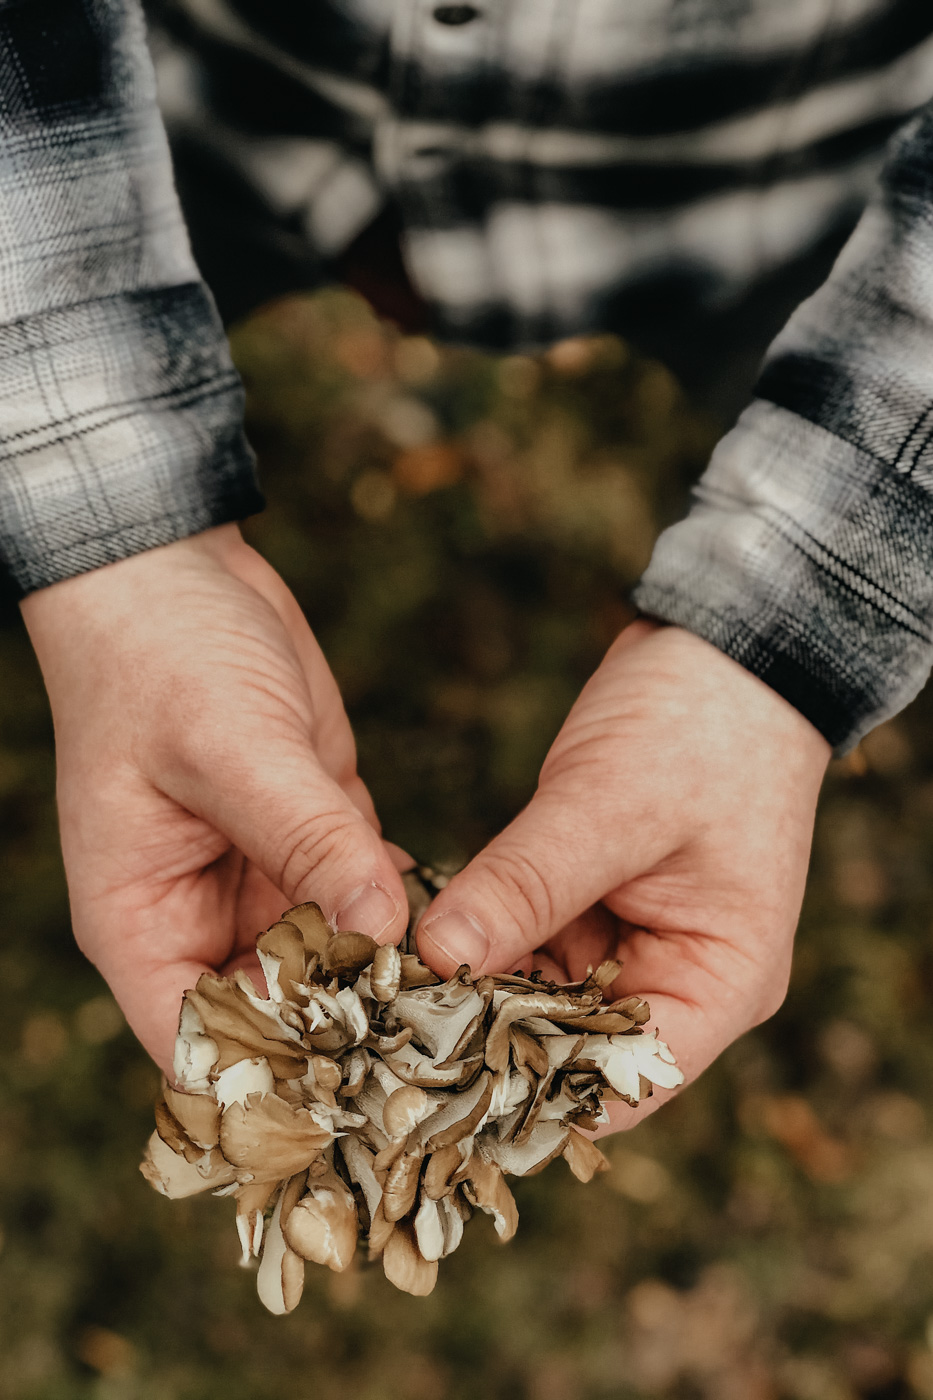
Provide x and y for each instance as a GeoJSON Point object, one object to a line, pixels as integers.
{"type": "Point", "coordinates": [807, 556]}
{"type": "Point", "coordinates": [120, 410]}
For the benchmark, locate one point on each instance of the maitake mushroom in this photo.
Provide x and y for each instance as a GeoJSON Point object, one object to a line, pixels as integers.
{"type": "Point", "coordinates": [365, 1099]}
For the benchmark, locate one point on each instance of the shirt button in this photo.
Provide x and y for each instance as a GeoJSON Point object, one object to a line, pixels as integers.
{"type": "Point", "coordinates": [456, 14]}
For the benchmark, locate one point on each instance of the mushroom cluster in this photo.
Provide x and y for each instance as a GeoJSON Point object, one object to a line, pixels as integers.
{"type": "Point", "coordinates": [366, 1100]}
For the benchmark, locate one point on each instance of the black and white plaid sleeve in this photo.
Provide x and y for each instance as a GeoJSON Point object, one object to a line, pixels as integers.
{"type": "Point", "coordinates": [808, 554]}
{"type": "Point", "coordinates": [120, 411]}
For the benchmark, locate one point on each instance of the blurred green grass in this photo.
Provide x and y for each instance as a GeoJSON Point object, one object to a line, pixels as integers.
{"type": "Point", "coordinates": [461, 531]}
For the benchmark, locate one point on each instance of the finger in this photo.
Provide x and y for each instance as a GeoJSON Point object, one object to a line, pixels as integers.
{"type": "Point", "coordinates": [585, 942]}
{"type": "Point", "coordinates": [151, 1001]}
{"type": "Point", "coordinates": [574, 952]}
{"type": "Point", "coordinates": [152, 947]}
{"type": "Point", "coordinates": [259, 903]}
{"type": "Point", "coordinates": [676, 1025]}
{"type": "Point", "coordinates": [402, 861]}
{"type": "Point", "coordinates": [694, 1039]}
{"type": "Point", "coordinates": [358, 793]}
{"type": "Point", "coordinates": [703, 992]}
{"type": "Point", "coordinates": [146, 970]}
{"type": "Point", "coordinates": [150, 996]}
{"type": "Point", "coordinates": [550, 970]}
{"type": "Point", "coordinates": [333, 738]}
{"type": "Point", "coordinates": [555, 860]}
{"type": "Point", "coordinates": [298, 826]}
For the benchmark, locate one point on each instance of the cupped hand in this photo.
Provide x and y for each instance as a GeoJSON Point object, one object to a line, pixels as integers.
{"type": "Point", "coordinates": [670, 830]}
{"type": "Point", "coordinates": [206, 771]}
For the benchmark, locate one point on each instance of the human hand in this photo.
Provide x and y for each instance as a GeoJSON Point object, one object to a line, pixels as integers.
{"type": "Point", "coordinates": [671, 830]}
{"type": "Point", "coordinates": [206, 771]}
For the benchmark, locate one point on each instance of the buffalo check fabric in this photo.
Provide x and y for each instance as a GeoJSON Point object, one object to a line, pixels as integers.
{"type": "Point", "coordinates": [120, 411]}
{"type": "Point", "coordinates": [556, 166]}
{"type": "Point", "coordinates": [808, 554]}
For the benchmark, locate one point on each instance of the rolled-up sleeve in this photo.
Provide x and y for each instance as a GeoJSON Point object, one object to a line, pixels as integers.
{"type": "Point", "coordinates": [808, 553]}
{"type": "Point", "coordinates": [121, 417]}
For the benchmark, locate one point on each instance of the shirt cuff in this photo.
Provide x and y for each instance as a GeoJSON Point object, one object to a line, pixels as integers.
{"type": "Point", "coordinates": [122, 429]}
{"type": "Point", "coordinates": [808, 562]}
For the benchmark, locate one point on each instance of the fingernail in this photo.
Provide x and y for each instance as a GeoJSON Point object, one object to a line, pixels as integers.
{"type": "Point", "coordinates": [369, 909]}
{"type": "Point", "coordinates": [456, 936]}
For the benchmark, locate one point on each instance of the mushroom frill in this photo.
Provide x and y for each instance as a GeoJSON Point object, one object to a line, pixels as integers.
{"type": "Point", "coordinates": [366, 1101]}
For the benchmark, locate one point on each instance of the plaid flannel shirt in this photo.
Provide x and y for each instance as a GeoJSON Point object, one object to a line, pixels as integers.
{"type": "Point", "coordinates": [557, 166]}
{"type": "Point", "coordinates": [120, 412]}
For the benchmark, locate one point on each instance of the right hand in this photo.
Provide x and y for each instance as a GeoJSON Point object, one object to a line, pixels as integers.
{"type": "Point", "coordinates": [206, 772]}
{"type": "Point", "coordinates": [670, 831]}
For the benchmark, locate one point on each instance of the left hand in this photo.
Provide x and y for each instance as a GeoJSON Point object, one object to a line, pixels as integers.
{"type": "Point", "coordinates": [206, 772]}
{"type": "Point", "coordinates": [671, 830]}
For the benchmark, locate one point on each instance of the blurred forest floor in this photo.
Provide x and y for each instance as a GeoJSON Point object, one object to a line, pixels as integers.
{"type": "Point", "coordinates": [461, 531]}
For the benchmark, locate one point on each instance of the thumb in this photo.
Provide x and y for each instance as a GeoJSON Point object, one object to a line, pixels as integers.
{"type": "Point", "coordinates": [300, 828]}
{"type": "Point", "coordinates": [557, 858]}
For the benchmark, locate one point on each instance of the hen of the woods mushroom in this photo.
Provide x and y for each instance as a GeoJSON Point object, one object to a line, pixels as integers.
{"type": "Point", "coordinates": [366, 1101]}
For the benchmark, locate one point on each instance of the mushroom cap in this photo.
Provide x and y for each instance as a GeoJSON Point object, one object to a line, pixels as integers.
{"type": "Point", "coordinates": [583, 1157]}
{"type": "Point", "coordinates": [281, 1277]}
{"type": "Point", "coordinates": [348, 953]}
{"type": "Point", "coordinates": [404, 1109]}
{"type": "Point", "coordinates": [271, 1139]}
{"type": "Point", "coordinates": [386, 975]}
{"type": "Point", "coordinates": [235, 1083]}
{"type": "Point", "coordinates": [281, 954]}
{"type": "Point", "coordinates": [442, 1019]}
{"type": "Point", "coordinates": [323, 1226]}
{"type": "Point", "coordinates": [251, 1201]}
{"type": "Point", "coordinates": [315, 931]}
{"type": "Point", "coordinates": [415, 1067]}
{"type": "Point", "coordinates": [370, 1100]}
{"type": "Point", "coordinates": [197, 1114]}
{"type": "Point", "coordinates": [174, 1176]}
{"type": "Point", "coordinates": [404, 1264]}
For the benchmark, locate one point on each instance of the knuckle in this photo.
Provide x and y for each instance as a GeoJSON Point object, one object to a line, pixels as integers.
{"type": "Point", "coordinates": [521, 888]}
{"type": "Point", "coordinates": [320, 842]}
{"type": "Point", "coordinates": [189, 742]}
{"type": "Point", "coordinates": [193, 751]}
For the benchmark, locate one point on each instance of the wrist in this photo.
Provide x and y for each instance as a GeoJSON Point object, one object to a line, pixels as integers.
{"type": "Point", "coordinates": [710, 677]}
{"type": "Point", "coordinates": [41, 610]}
{"type": "Point", "coordinates": [74, 625]}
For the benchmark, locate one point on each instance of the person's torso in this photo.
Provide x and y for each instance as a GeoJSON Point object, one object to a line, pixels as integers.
{"type": "Point", "coordinates": [557, 164]}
